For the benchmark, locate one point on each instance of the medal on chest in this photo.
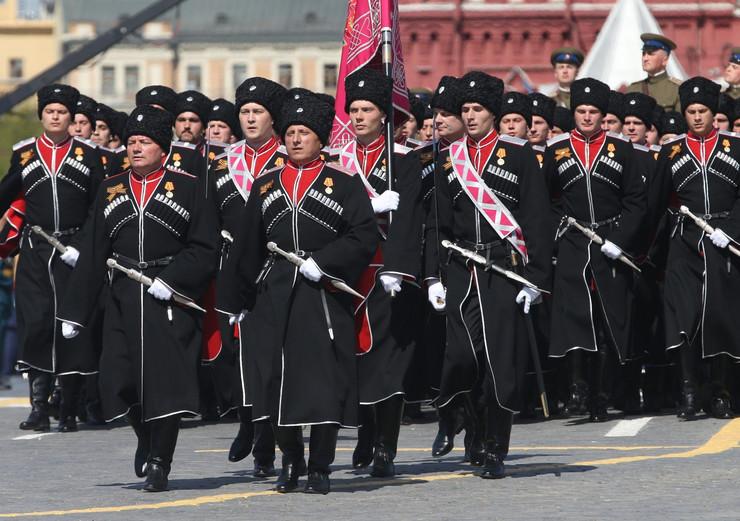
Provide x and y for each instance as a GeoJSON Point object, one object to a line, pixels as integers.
{"type": "Point", "coordinates": [500, 154]}
{"type": "Point", "coordinates": [170, 187]}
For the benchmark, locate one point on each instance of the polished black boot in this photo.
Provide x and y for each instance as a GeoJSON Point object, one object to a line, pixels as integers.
{"type": "Point", "coordinates": [498, 435]}
{"type": "Point", "coordinates": [363, 453]}
{"type": "Point", "coordinates": [143, 441]}
{"type": "Point", "coordinates": [597, 408]}
{"type": "Point", "coordinates": [476, 446]}
{"type": "Point", "coordinates": [688, 406]}
{"type": "Point", "coordinates": [577, 398]}
{"type": "Point", "coordinates": [163, 441]}
{"type": "Point", "coordinates": [448, 426]}
{"type": "Point", "coordinates": [264, 450]}
{"type": "Point", "coordinates": [721, 408]}
{"type": "Point", "coordinates": [290, 473]}
{"type": "Point", "coordinates": [389, 413]}
{"type": "Point", "coordinates": [242, 444]}
{"type": "Point", "coordinates": [55, 400]}
{"type": "Point", "coordinates": [290, 441]}
{"type": "Point", "coordinates": [39, 386]}
{"type": "Point", "coordinates": [70, 385]}
{"type": "Point", "coordinates": [317, 483]}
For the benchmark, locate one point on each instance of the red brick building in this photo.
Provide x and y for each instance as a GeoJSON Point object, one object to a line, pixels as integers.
{"type": "Point", "coordinates": [497, 36]}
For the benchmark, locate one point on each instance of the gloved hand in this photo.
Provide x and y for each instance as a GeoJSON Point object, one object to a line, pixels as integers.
{"type": "Point", "coordinates": [719, 238]}
{"type": "Point", "coordinates": [310, 270]}
{"type": "Point", "coordinates": [159, 291]}
{"type": "Point", "coordinates": [386, 202]}
{"type": "Point", "coordinates": [528, 296]}
{"type": "Point", "coordinates": [437, 295]}
{"type": "Point", "coordinates": [70, 256]}
{"type": "Point", "coordinates": [611, 250]}
{"type": "Point", "coordinates": [233, 319]}
{"type": "Point", "coordinates": [391, 282]}
{"type": "Point", "coordinates": [69, 330]}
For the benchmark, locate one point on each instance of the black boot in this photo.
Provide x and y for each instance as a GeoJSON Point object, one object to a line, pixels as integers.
{"type": "Point", "coordinates": [55, 400]}
{"type": "Point", "coordinates": [290, 441]}
{"type": "Point", "coordinates": [721, 407]}
{"type": "Point", "coordinates": [93, 407]}
{"type": "Point", "coordinates": [242, 444]}
{"type": "Point", "coordinates": [39, 386]}
{"type": "Point", "coordinates": [264, 450]}
{"type": "Point", "coordinates": [318, 483]}
{"type": "Point", "coordinates": [476, 448]}
{"type": "Point", "coordinates": [143, 441]}
{"type": "Point", "coordinates": [688, 406]}
{"type": "Point", "coordinates": [597, 408]}
{"type": "Point", "coordinates": [70, 385]}
{"type": "Point", "coordinates": [290, 473]}
{"type": "Point", "coordinates": [389, 414]}
{"type": "Point", "coordinates": [498, 429]}
{"type": "Point", "coordinates": [576, 404]}
{"type": "Point", "coordinates": [363, 453]}
{"type": "Point", "coordinates": [164, 439]}
{"type": "Point", "coordinates": [448, 425]}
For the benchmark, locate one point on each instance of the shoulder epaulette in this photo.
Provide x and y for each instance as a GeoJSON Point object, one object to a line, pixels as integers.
{"type": "Point", "coordinates": [218, 144]}
{"type": "Point", "coordinates": [674, 139]}
{"type": "Point", "coordinates": [728, 133]}
{"type": "Point", "coordinates": [282, 150]}
{"type": "Point", "coordinates": [271, 170]}
{"type": "Point", "coordinates": [183, 144]}
{"type": "Point", "coordinates": [655, 148]}
{"type": "Point", "coordinates": [88, 142]}
{"type": "Point", "coordinates": [514, 140]}
{"type": "Point", "coordinates": [618, 136]}
{"type": "Point", "coordinates": [558, 139]}
{"type": "Point", "coordinates": [336, 165]}
{"type": "Point", "coordinates": [179, 172]}
{"type": "Point", "coordinates": [675, 80]}
{"type": "Point", "coordinates": [538, 148]}
{"type": "Point", "coordinates": [413, 143]}
{"type": "Point", "coordinates": [222, 155]}
{"type": "Point", "coordinates": [23, 143]}
{"type": "Point", "coordinates": [401, 149]}
{"type": "Point", "coordinates": [643, 148]}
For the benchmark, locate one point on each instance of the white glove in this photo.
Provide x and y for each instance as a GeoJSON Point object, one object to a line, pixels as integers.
{"type": "Point", "coordinates": [70, 256]}
{"type": "Point", "coordinates": [69, 330]}
{"type": "Point", "coordinates": [719, 238]}
{"type": "Point", "coordinates": [528, 296]}
{"type": "Point", "coordinates": [310, 270]}
{"type": "Point", "coordinates": [611, 250]}
{"type": "Point", "coordinates": [391, 282]}
{"type": "Point", "coordinates": [386, 202]}
{"type": "Point", "coordinates": [159, 291]}
{"type": "Point", "coordinates": [233, 319]}
{"type": "Point", "coordinates": [437, 295]}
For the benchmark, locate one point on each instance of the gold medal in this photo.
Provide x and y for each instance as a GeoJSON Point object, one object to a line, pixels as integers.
{"type": "Point", "coordinates": [501, 154]}
{"type": "Point", "coordinates": [78, 158]}
{"type": "Point", "coordinates": [328, 183]}
{"type": "Point", "coordinates": [177, 164]}
{"type": "Point", "coordinates": [329, 190]}
{"type": "Point", "coordinates": [500, 162]}
{"type": "Point", "coordinates": [169, 195]}
{"type": "Point", "coordinates": [610, 147]}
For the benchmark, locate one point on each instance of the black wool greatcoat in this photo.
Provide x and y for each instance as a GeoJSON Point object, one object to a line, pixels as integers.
{"type": "Point", "coordinates": [702, 282]}
{"type": "Point", "coordinates": [151, 348]}
{"type": "Point", "coordinates": [519, 185]}
{"type": "Point", "coordinates": [587, 284]}
{"type": "Point", "coordinates": [296, 373]}
{"type": "Point", "coordinates": [58, 203]}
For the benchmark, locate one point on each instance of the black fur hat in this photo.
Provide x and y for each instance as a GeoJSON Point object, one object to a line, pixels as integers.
{"type": "Point", "coordinates": [543, 106]}
{"type": "Point", "coordinates": [310, 110]}
{"type": "Point", "coordinates": [418, 109]}
{"type": "Point", "coordinates": [590, 91]}
{"type": "Point", "coordinates": [193, 101]}
{"type": "Point", "coordinates": [699, 90]}
{"type": "Point", "coordinates": [725, 105]}
{"type": "Point", "coordinates": [57, 93]}
{"type": "Point", "coordinates": [563, 119]}
{"type": "Point", "coordinates": [263, 92]}
{"type": "Point", "coordinates": [160, 95]}
{"type": "Point", "coordinates": [152, 122]}
{"type": "Point", "coordinates": [616, 105]}
{"type": "Point", "coordinates": [106, 114]}
{"type": "Point", "coordinates": [479, 87]}
{"type": "Point", "coordinates": [640, 106]}
{"type": "Point", "coordinates": [370, 85]}
{"type": "Point", "coordinates": [447, 95]}
{"type": "Point", "coordinates": [119, 123]}
{"type": "Point", "coordinates": [672, 122]}
{"type": "Point", "coordinates": [223, 110]}
{"type": "Point", "coordinates": [516, 103]}
{"type": "Point", "coordinates": [87, 107]}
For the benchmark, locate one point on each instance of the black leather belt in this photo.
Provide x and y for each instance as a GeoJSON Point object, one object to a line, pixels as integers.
{"type": "Point", "coordinates": [478, 246]}
{"type": "Point", "coordinates": [598, 224]}
{"type": "Point", "coordinates": [128, 262]}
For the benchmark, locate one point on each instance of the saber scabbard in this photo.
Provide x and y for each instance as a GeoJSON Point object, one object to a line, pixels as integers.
{"type": "Point", "coordinates": [61, 248]}
{"type": "Point", "coordinates": [704, 225]}
{"type": "Point", "coordinates": [595, 237]}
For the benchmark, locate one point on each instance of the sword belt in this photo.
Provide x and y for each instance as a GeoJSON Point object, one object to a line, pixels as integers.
{"type": "Point", "coordinates": [128, 262]}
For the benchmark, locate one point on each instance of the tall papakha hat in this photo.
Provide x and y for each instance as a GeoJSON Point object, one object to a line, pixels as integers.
{"type": "Point", "coordinates": [119, 124]}
{"type": "Point", "coordinates": [370, 85]}
{"type": "Point", "coordinates": [57, 93]}
{"type": "Point", "coordinates": [223, 110]}
{"type": "Point", "coordinates": [672, 122]}
{"type": "Point", "coordinates": [308, 110]}
{"type": "Point", "coordinates": [151, 122]}
{"type": "Point", "coordinates": [543, 106]}
{"type": "Point", "coordinates": [563, 119]}
{"type": "Point", "coordinates": [447, 95]}
{"type": "Point", "coordinates": [589, 91]}
{"type": "Point", "coordinates": [699, 90]}
{"type": "Point", "coordinates": [725, 105]}
{"type": "Point", "coordinates": [160, 95]}
{"type": "Point", "coordinates": [262, 92]}
{"type": "Point", "coordinates": [640, 106]}
{"type": "Point", "coordinates": [616, 105]}
{"type": "Point", "coordinates": [106, 114]}
{"type": "Point", "coordinates": [87, 107]}
{"type": "Point", "coordinates": [195, 102]}
{"type": "Point", "coordinates": [516, 103]}
{"type": "Point", "coordinates": [482, 88]}
{"type": "Point", "coordinates": [418, 109]}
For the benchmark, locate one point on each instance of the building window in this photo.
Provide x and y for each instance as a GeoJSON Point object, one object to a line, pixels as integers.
{"type": "Point", "coordinates": [238, 73]}
{"type": "Point", "coordinates": [108, 81]}
{"type": "Point", "coordinates": [194, 77]}
{"type": "Point", "coordinates": [285, 75]}
{"type": "Point", "coordinates": [131, 77]}
{"type": "Point", "coordinates": [16, 68]}
{"type": "Point", "coordinates": [330, 76]}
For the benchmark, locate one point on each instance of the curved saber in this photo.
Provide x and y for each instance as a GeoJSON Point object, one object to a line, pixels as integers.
{"type": "Point", "coordinates": [295, 259]}
{"type": "Point", "coordinates": [490, 265]}
{"type": "Point", "coordinates": [704, 225]}
{"type": "Point", "coordinates": [598, 240]}
{"type": "Point", "coordinates": [146, 281]}
{"type": "Point", "coordinates": [61, 248]}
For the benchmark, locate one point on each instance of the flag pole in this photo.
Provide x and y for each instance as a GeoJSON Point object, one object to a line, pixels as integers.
{"type": "Point", "coordinates": [386, 51]}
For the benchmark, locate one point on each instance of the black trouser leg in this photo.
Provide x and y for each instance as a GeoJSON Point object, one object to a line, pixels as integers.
{"type": "Point", "coordinates": [322, 447]}
{"type": "Point", "coordinates": [363, 453]}
{"type": "Point", "coordinates": [264, 444]}
{"type": "Point", "coordinates": [389, 413]}
{"type": "Point", "coordinates": [498, 436]}
{"type": "Point", "coordinates": [290, 441]}
{"type": "Point", "coordinates": [720, 398]}
{"type": "Point", "coordinates": [208, 399]}
{"type": "Point", "coordinates": [687, 358]}
{"type": "Point", "coordinates": [242, 444]}
{"type": "Point", "coordinates": [164, 433]}
{"type": "Point", "coordinates": [71, 385]}
{"type": "Point", "coordinates": [39, 387]}
{"type": "Point", "coordinates": [143, 440]}
{"type": "Point", "coordinates": [93, 405]}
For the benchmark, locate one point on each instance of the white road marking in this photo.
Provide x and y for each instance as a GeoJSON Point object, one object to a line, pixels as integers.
{"type": "Point", "coordinates": [34, 436]}
{"type": "Point", "coordinates": [628, 427]}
